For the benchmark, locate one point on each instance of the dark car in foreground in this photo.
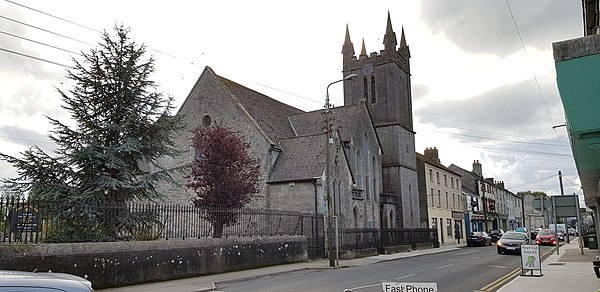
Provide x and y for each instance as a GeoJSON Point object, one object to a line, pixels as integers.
{"type": "Point", "coordinates": [478, 238]}
{"type": "Point", "coordinates": [55, 282]}
{"type": "Point", "coordinates": [546, 237]}
{"type": "Point", "coordinates": [511, 242]}
{"type": "Point", "coordinates": [495, 234]}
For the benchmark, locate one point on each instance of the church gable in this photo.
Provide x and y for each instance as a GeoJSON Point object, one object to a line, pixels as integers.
{"type": "Point", "coordinates": [221, 96]}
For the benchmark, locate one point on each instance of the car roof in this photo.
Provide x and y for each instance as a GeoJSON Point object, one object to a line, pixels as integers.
{"type": "Point", "coordinates": [62, 281]}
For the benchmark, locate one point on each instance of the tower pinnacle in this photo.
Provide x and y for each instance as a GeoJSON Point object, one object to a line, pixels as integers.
{"type": "Point", "coordinates": [389, 39]}
{"type": "Point", "coordinates": [348, 47]}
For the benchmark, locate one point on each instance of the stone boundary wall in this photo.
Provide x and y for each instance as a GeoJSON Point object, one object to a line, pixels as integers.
{"type": "Point", "coordinates": [115, 264]}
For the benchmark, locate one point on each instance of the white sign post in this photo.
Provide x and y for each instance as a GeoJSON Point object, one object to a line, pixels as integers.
{"type": "Point", "coordinates": [409, 287]}
{"type": "Point", "coordinates": [530, 260]}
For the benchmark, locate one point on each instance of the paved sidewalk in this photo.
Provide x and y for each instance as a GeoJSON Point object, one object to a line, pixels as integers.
{"type": "Point", "coordinates": [567, 271]}
{"type": "Point", "coordinates": [207, 283]}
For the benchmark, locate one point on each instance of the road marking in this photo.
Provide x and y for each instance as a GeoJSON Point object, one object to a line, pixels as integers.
{"type": "Point", "coordinates": [444, 266]}
{"type": "Point", "coordinates": [476, 258]}
{"type": "Point", "coordinates": [404, 277]}
{"type": "Point", "coordinates": [501, 281]}
{"type": "Point", "coordinates": [368, 286]}
{"type": "Point", "coordinates": [500, 267]}
{"type": "Point", "coordinates": [379, 284]}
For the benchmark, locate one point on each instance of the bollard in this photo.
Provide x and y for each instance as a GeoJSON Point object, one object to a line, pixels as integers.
{"type": "Point", "coordinates": [597, 268]}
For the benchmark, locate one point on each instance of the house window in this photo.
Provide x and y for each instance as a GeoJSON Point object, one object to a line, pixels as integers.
{"type": "Point", "coordinates": [449, 227]}
{"type": "Point", "coordinates": [431, 200]}
{"type": "Point", "coordinates": [452, 182]}
{"type": "Point", "coordinates": [430, 175]}
{"type": "Point", "coordinates": [445, 180]}
{"type": "Point", "coordinates": [433, 223]}
{"type": "Point", "coordinates": [437, 175]}
{"type": "Point", "coordinates": [453, 201]}
{"type": "Point", "coordinates": [439, 204]}
{"type": "Point", "coordinates": [373, 99]}
{"type": "Point", "coordinates": [447, 201]}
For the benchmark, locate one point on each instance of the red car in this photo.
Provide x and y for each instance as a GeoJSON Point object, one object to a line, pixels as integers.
{"type": "Point", "coordinates": [545, 237]}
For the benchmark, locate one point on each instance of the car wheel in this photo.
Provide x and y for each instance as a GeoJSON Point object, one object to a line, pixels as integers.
{"type": "Point", "coordinates": [499, 252]}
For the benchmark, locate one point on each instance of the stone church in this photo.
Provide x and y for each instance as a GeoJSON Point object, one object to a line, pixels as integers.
{"type": "Point", "coordinates": [373, 178]}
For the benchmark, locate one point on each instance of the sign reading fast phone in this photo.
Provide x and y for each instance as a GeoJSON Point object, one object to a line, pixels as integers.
{"type": "Point", "coordinates": [409, 287]}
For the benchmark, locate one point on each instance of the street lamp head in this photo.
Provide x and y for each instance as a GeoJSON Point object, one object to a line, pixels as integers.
{"type": "Point", "coordinates": [350, 76]}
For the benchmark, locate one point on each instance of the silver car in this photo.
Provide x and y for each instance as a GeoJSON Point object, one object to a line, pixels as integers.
{"type": "Point", "coordinates": [17, 281]}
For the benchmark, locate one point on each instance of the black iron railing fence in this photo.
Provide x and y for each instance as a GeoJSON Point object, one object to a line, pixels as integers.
{"type": "Point", "coordinates": [352, 239]}
{"type": "Point", "coordinates": [29, 221]}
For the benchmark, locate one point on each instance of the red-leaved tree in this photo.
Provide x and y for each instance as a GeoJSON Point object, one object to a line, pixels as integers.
{"type": "Point", "coordinates": [224, 175]}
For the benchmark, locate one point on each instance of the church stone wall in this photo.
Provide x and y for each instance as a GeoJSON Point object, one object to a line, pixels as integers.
{"type": "Point", "coordinates": [293, 196]}
{"type": "Point", "coordinates": [209, 98]}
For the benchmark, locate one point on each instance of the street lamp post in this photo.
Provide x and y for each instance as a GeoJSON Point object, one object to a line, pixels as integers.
{"type": "Point", "coordinates": [328, 141]}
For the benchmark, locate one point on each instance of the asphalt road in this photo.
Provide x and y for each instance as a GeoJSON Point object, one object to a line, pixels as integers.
{"type": "Point", "coordinates": [466, 269]}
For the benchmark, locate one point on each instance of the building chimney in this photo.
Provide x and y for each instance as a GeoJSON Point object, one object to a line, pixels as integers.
{"type": "Point", "coordinates": [500, 184]}
{"type": "Point", "coordinates": [432, 153]}
{"type": "Point", "coordinates": [477, 168]}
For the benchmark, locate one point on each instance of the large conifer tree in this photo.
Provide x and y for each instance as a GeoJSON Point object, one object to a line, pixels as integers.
{"type": "Point", "coordinates": [121, 124]}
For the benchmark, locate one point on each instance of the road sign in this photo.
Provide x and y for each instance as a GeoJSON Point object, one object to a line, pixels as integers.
{"type": "Point", "coordinates": [409, 287]}
{"type": "Point", "coordinates": [565, 206]}
{"type": "Point", "coordinates": [530, 259]}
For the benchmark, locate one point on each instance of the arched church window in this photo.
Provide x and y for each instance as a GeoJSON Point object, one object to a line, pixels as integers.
{"type": "Point", "coordinates": [374, 179]}
{"type": "Point", "coordinates": [355, 213]}
{"type": "Point", "coordinates": [373, 98]}
{"type": "Point", "coordinates": [366, 88]}
{"type": "Point", "coordinates": [206, 121]}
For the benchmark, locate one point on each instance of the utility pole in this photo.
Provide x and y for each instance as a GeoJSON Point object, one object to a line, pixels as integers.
{"type": "Point", "coordinates": [328, 141]}
{"type": "Point", "coordinates": [485, 227]}
{"type": "Point", "coordinates": [562, 193]}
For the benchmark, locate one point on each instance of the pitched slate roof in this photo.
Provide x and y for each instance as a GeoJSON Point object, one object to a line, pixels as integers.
{"type": "Point", "coordinates": [435, 163]}
{"type": "Point", "coordinates": [303, 158]}
{"type": "Point", "coordinates": [312, 123]}
{"type": "Point", "coordinates": [270, 114]}
{"type": "Point", "coordinates": [469, 178]}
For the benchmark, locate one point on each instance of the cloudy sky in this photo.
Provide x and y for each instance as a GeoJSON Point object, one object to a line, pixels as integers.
{"type": "Point", "coordinates": [484, 84]}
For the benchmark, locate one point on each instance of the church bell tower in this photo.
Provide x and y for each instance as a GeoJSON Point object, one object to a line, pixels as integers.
{"type": "Point", "coordinates": [384, 83]}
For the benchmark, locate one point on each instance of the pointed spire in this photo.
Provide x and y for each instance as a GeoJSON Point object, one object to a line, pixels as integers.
{"type": "Point", "coordinates": [404, 51]}
{"type": "Point", "coordinates": [389, 39]}
{"type": "Point", "coordinates": [363, 50]}
{"type": "Point", "coordinates": [348, 47]}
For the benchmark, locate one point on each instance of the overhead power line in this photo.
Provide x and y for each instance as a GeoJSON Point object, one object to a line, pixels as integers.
{"type": "Point", "coordinates": [77, 24]}
{"type": "Point", "coordinates": [44, 44]}
{"type": "Point", "coordinates": [54, 16]}
{"type": "Point", "coordinates": [533, 72]}
{"type": "Point", "coordinates": [36, 58]}
{"type": "Point", "coordinates": [45, 30]}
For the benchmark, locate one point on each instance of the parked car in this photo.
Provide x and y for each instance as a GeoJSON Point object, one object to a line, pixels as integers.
{"type": "Point", "coordinates": [521, 229]}
{"type": "Point", "coordinates": [495, 234]}
{"type": "Point", "coordinates": [546, 237]}
{"type": "Point", "coordinates": [479, 238]}
{"type": "Point", "coordinates": [511, 242]}
{"type": "Point", "coordinates": [573, 231]}
{"type": "Point", "coordinates": [51, 282]}
{"type": "Point", "coordinates": [534, 232]}
{"type": "Point", "coordinates": [561, 235]}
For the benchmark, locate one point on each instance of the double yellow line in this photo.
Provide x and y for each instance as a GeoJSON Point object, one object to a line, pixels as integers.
{"type": "Point", "coordinates": [511, 275]}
